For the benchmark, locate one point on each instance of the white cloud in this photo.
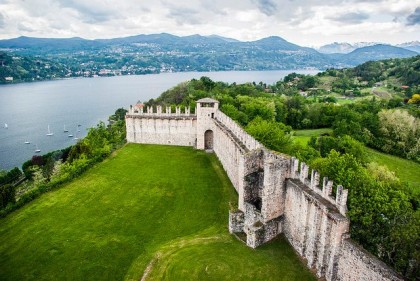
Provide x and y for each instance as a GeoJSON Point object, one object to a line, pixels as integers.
{"type": "Point", "coordinates": [305, 22]}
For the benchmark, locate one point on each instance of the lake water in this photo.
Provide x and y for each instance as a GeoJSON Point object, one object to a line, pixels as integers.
{"type": "Point", "coordinates": [29, 108]}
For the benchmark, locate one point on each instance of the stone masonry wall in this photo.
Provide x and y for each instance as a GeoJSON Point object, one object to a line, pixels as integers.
{"type": "Point", "coordinates": [276, 194]}
{"type": "Point", "coordinates": [314, 228]}
{"type": "Point", "coordinates": [249, 142]}
{"type": "Point", "coordinates": [356, 264]}
{"type": "Point", "coordinates": [161, 127]}
{"type": "Point", "coordinates": [231, 155]}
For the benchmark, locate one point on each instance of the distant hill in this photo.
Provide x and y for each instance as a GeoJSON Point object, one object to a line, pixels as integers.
{"type": "Point", "coordinates": [343, 48]}
{"type": "Point", "coordinates": [376, 52]}
{"type": "Point", "coordinates": [47, 44]}
{"type": "Point", "coordinates": [412, 46]}
{"type": "Point", "coordinates": [26, 69]}
{"type": "Point", "coordinates": [155, 53]}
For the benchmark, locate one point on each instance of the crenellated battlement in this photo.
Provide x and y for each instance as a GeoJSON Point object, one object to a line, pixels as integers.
{"type": "Point", "coordinates": [249, 142]}
{"type": "Point", "coordinates": [159, 111]}
{"type": "Point", "coordinates": [324, 190]}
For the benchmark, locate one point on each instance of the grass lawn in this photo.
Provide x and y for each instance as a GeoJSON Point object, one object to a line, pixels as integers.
{"type": "Point", "coordinates": [303, 136]}
{"type": "Point", "coordinates": [406, 170]}
{"type": "Point", "coordinates": [154, 211]}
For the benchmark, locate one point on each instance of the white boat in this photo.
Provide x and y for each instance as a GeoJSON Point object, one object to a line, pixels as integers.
{"type": "Point", "coordinates": [49, 132]}
{"type": "Point", "coordinates": [65, 130]}
{"type": "Point", "coordinates": [27, 142]}
{"type": "Point", "coordinates": [70, 135]}
{"type": "Point", "coordinates": [6, 126]}
{"type": "Point", "coordinates": [37, 150]}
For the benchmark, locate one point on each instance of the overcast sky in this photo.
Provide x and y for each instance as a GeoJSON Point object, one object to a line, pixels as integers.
{"type": "Point", "coordinates": [303, 22]}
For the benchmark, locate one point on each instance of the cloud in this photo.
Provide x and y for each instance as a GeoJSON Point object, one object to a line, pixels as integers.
{"type": "Point", "coordinates": [2, 22]}
{"type": "Point", "coordinates": [24, 27]}
{"type": "Point", "coordinates": [414, 18]}
{"type": "Point", "coordinates": [184, 15]}
{"type": "Point", "coordinates": [92, 11]}
{"type": "Point", "coordinates": [351, 18]}
{"type": "Point", "coordinates": [267, 7]}
{"type": "Point", "coordinates": [305, 22]}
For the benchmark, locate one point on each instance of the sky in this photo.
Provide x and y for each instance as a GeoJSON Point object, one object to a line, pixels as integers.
{"type": "Point", "coordinates": [304, 22]}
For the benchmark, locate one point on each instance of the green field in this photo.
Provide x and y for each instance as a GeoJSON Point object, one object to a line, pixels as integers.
{"type": "Point", "coordinates": [154, 211]}
{"type": "Point", "coordinates": [303, 136]}
{"type": "Point", "coordinates": [408, 171]}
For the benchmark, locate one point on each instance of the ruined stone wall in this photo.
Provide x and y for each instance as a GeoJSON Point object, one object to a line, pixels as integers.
{"type": "Point", "coordinates": [157, 127]}
{"type": "Point", "coordinates": [313, 222]}
{"type": "Point", "coordinates": [356, 263]}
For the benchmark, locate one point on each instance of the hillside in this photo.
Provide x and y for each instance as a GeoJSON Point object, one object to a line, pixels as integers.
{"type": "Point", "coordinates": [16, 68]}
{"type": "Point", "coordinates": [160, 209]}
{"type": "Point", "coordinates": [155, 53]}
{"type": "Point", "coordinates": [374, 53]}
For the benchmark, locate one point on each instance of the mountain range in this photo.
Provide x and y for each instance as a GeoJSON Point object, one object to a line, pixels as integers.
{"type": "Point", "coordinates": [156, 53]}
{"type": "Point", "coordinates": [345, 48]}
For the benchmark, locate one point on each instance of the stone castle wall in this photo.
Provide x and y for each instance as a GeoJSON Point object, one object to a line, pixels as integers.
{"type": "Point", "coordinates": [158, 127]}
{"type": "Point", "coordinates": [355, 263]}
{"type": "Point", "coordinates": [243, 137]}
{"type": "Point", "coordinates": [275, 192]}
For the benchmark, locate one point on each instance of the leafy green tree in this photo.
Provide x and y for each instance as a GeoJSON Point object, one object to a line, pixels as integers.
{"type": "Point", "coordinates": [400, 132]}
{"type": "Point", "coordinates": [7, 195]}
{"type": "Point", "coordinates": [273, 135]}
{"type": "Point", "coordinates": [415, 99]}
{"type": "Point", "coordinates": [10, 176]}
{"type": "Point", "coordinates": [231, 111]}
{"type": "Point", "coordinates": [343, 145]}
{"type": "Point", "coordinates": [257, 107]}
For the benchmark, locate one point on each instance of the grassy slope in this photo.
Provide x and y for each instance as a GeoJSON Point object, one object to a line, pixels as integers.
{"type": "Point", "coordinates": [303, 136]}
{"type": "Point", "coordinates": [406, 170]}
{"type": "Point", "coordinates": [156, 207]}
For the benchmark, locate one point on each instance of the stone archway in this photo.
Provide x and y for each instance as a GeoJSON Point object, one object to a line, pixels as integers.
{"type": "Point", "coordinates": [208, 139]}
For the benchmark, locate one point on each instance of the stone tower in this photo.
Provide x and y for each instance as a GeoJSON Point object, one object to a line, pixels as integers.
{"type": "Point", "coordinates": [206, 109]}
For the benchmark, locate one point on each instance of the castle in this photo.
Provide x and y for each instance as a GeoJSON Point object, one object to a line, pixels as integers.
{"type": "Point", "coordinates": [276, 194]}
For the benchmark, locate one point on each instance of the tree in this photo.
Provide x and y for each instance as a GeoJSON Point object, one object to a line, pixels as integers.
{"type": "Point", "coordinates": [273, 135]}
{"type": "Point", "coordinates": [7, 195]}
{"type": "Point", "coordinates": [400, 132]}
{"type": "Point", "coordinates": [415, 99]}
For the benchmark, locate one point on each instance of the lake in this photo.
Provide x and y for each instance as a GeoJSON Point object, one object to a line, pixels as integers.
{"type": "Point", "coordinates": [29, 109]}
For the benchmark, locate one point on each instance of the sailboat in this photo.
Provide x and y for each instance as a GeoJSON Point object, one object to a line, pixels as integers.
{"type": "Point", "coordinates": [65, 130]}
{"type": "Point", "coordinates": [6, 126]}
{"type": "Point", "coordinates": [37, 150]}
{"type": "Point", "coordinates": [49, 132]}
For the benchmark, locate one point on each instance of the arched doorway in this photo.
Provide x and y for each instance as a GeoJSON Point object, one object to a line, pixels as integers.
{"type": "Point", "coordinates": [208, 139]}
